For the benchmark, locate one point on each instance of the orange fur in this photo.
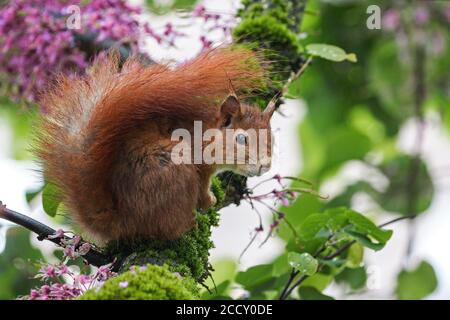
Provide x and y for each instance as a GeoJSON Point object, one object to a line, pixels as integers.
{"type": "Point", "coordinates": [102, 140]}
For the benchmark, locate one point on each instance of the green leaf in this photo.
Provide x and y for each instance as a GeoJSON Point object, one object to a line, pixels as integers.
{"type": "Point", "coordinates": [364, 225]}
{"type": "Point", "coordinates": [319, 281]}
{"type": "Point", "coordinates": [303, 262]}
{"type": "Point", "coordinates": [338, 218]}
{"type": "Point", "coordinates": [51, 199]}
{"type": "Point", "coordinates": [255, 276]}
{"type": "Point", "coordinates": [280, 265]}
{"type": "Point", "coordinates": [271, 294]}
{"type": "Point", "coordinates": [356, 278]}
{"type": "Point", "coordinates": [312, 225]}
{"type": "Point", "coordinates": [31, 194]}
{"type": "Point", "coordinates": [319, 226]}
{"type": "Point", "coordinates": [330, 52]}
{"type": "Point", "coordinates": [352, 57]}
{"type": "Point", "coordinates": [311, 293]}
{"type": "Point", "coordinates": [218, 293]}
{"type": "Point", "coordinates": [416, 284]}
{"type": "Point", "coordinates": [355, 255]}
{"type": "Point", "coordinates": [365, 240]}
{"type": "Point", "coordinates": [303, 206]}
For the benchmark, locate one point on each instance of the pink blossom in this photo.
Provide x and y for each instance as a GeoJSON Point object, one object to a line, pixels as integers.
{"type": "Point", "coordinates": [199, 11]}
{"type": "Point", "coordinates": [447, 13]}
{"type": "Point", "coordinates": [76, 240]}
{"type": "Point", "coordinates": [274, 224]}
{"type": "Point", "coordinates": [84, 248]}
{"type": "Point", "coordinates": [391, 19]}
{"type": "Point", "coordinates": [205, 42]}
{"type": "Point", "coordinates": [104, 272]}
{"type": "Point", "coordinates": [58, 234]}
{"type": "Point", "coordinates": [422, 15]}
{"type": "Point", "coordinates": [47, 272]}
{"type": "Point", "coordinates": [277, 177]}
{"type": "Point", "coordinates": [36, 43]}
{"type": "Point", "coordinates": [55, 287]}
{"type": "Point", "coordinates": [62, 270]}
{"type": "Point", "coordinates": [69, 252]}
{"type": "Point", "coordinates": [281, 196]}
{"type": "Point", "coordinates": [34, 294]}
{"type": "Point", "coordinates": [82, 279]}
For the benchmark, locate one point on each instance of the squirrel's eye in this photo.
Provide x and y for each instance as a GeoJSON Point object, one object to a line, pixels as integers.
{"type": "Point", "coordinates": [241, 138]}
{"type": "Point", "coordinates": [227, 122]}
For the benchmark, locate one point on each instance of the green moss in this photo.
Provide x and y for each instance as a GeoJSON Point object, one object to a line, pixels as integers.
{"type": "Point", "coordinates": [270, 26]}
{"type": "Point", "coordinates": [152, 283]}
{"type": "Point", "coordinates": [268, 33]}
{"type": "Point", "coordinates": [277, 9]}
{"type": "Point", "coordinates": [187, 255]}
{"type": "Point", "coordinates": [216, 188]}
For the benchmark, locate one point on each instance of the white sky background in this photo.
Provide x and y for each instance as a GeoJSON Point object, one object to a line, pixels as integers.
{"type": "Point", "coordinates": [237, 223]}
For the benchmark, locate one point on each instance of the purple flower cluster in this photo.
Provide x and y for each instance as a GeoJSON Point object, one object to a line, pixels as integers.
{"type": "Point", "coordinates": [38, 38]}
{"type": "Point", "coordinates": [56, 291]}
{"type": "Point", "coordinates": [62, 283]}
{"type": "Point", "coordinates": [213, 22]}
{"type": "Point", "coordinates": [35, 41]}
{"type": "Point", "coordinates": [426, 30]}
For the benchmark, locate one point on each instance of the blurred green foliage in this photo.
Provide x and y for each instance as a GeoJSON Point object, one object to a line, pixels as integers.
{"type": "Point", "coordinates": [19, 120]}
{"type": "Point", "coordinates": [354, 112]}
{"type": "Point", "coordinates": [417, 283]}
{"type": "Point", "coordinates": [163, 7]}
{"type": "Point", "coordinates": [18, 264]}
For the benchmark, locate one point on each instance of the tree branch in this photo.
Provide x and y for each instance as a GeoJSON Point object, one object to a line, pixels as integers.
{"type": "Point", "coordinates": [44, 232]}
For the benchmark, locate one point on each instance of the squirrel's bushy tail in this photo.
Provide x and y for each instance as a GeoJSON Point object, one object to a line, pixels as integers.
{"type": "Point", "coordinates": [87, 118]}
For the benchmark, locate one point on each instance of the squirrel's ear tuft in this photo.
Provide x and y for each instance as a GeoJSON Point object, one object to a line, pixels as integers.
{"type": "Point", "coordinates": [230, 108]}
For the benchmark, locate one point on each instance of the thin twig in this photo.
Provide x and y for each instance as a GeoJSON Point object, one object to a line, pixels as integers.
{"type": "Point", "coordinates": [292, 276]}
{"type": "Point", "coordinates": [396, 220]}
{"type": "Point", "coordinates": [339, 251]}
{"type": "Point", "coordinates": [295, 76]}
{"type": "Point", "coordinates": [295, 285]}
{"type": "Point", "coordinates": [44, 232]}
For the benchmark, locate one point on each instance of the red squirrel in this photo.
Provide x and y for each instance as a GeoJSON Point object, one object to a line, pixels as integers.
{"type": "Point", "coordinates": [105, 139]}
